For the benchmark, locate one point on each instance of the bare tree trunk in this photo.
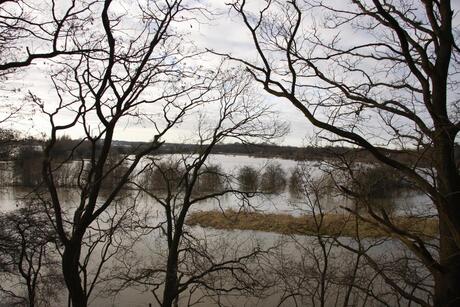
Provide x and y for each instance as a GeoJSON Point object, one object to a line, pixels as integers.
{"type": "Point", "coordinates": [170, 289]}
{"type": "Point", "coordinates": [447, 283]}
{"type": "Point", "coordinates": [70, 261]}
{"type": "Point", "coordinates": [31, 294]}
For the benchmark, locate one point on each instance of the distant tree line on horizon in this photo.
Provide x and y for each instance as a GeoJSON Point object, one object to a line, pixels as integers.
{"type": "Point", "coordinates": [79, 149]}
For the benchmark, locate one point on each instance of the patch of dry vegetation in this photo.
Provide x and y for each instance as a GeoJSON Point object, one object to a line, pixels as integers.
{"type": "Point", "coordinates": [332, 224]}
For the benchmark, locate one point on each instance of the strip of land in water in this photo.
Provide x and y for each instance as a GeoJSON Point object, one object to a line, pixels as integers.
{"type": "Point", "coordinates": [332, 224]}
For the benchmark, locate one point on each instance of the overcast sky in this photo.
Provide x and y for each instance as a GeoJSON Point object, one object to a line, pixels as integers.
{"type": "Point", "coordinates": [224, 33]}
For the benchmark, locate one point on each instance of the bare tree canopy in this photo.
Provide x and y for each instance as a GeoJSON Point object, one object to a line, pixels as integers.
{"type": "Point", "coordinates": [394, 85]}
{"type": "Point", "coordinates": [102, 88]}
{"type": "Point", "coordinates": [33, 30]}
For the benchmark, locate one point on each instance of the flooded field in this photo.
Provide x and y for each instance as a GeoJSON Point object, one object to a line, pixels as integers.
{"type": "Point", "coordinates": [127, 265]}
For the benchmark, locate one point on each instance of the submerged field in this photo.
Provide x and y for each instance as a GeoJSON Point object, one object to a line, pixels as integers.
{"type": "Point", "coordinates": [330, 224]}
{"type": "Point", "coordinates": [279, 223]}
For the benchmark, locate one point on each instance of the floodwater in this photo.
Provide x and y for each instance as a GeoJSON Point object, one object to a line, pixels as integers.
{"type": "Point", "coordinates": [145, 249]}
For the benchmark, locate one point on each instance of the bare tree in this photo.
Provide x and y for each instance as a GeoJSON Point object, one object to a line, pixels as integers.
{"type": "Point", "coordinates": [115, 232]}
{"type": "Point", "coordinates": [248, 178]}
{"type": "Point", "coordinates": [273, 179]}
{"type": "Point", "coordinates": [26, 166]}
{"type": "Point", "coordinates": [28, 257]}
{"type": "Point", "coordinates": [395, 85]}
{"type": "Point", "coordinates": [338, 263]}
{"type": "Point", "coordinates": [31, 31]}
{"type": "Point", "coordinates": [128, 76]}
{"type": "Point", "coordinates": [192, 262]}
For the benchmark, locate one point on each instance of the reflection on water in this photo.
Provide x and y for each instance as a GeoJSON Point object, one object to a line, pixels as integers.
{"type": "Point", "coordinates": [295, 254]}
{"type": "Point", "coordinates": [291, 269]}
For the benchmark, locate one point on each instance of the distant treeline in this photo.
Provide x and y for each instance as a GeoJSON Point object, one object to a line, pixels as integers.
{"type": "Point", "coordinates": [420, 157]}
{"type": "Point", "coordinates": [76, 149]}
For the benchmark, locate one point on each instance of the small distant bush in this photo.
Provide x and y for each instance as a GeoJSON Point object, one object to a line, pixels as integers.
{"type": "Point", "coordinates": [210, 179]}
{"type": "Point", "coordinates": [273, 179]}
{"type": "Point", "coordinates": [163, 175]}
{"type": "Point", "coordinates": [378, 186]}
{"type": "Point", "coordinates": [248, 179]}
{"type": "Point", "coordinates": [28, 166]}
{"type": "Point", "coordinates": [380, 182]}
{"type": "Point", "coordinates": [295, 182]}
{"type": "Point", "coordinates": [169, 175]}
{"type": "Point", "coordinates": [8, 138]}
{"type": "Point", "coordinates": [114, 171]}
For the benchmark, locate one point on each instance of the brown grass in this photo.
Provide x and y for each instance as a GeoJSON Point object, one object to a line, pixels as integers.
{"type": "Point", "coordinates": [332, 224]}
